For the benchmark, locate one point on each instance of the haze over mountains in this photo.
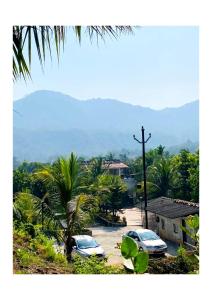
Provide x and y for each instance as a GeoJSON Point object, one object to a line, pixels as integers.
{"type": "Point", "coordinates": [47, 124]}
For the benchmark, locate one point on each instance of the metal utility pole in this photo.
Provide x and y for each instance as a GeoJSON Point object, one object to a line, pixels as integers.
{"type": "Point", "coordinates": [143, 142]}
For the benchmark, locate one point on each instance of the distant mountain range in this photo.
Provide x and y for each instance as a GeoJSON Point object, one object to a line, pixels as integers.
{"type": "Point", "coordinates": [47, 124]}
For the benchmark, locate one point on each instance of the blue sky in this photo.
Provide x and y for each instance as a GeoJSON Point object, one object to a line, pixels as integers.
{"type": "Point", "coordinates": [155, 67]}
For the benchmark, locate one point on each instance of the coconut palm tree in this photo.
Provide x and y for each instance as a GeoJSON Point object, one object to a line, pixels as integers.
{"type": "Point", "coordinates": [46, 37]}
{"type": "Point", "coordinates": [161, 174]}
{"type": "Point", "coordinates": [96, 167]}
{"type": "Point", "coordinates": [61, 181]}
{"type": "Point", "coordinates": [160, 150]}
{"type": "Point", "coordinates": [112, 190]}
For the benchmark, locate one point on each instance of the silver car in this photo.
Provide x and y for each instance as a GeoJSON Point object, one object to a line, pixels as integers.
{"type": "Point", "coordinates": [86, 245]}
{"type": "Point", "coordinates": [148, 240]}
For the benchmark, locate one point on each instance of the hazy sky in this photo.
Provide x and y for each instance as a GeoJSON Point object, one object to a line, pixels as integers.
{"type": "Point", "coordinates": [155, 67]}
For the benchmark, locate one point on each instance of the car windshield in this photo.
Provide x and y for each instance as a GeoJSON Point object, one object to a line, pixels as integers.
{"type": "Point", "coordinates": [148, 235]}
{"type": "Point", "coordinates": [86, 243]}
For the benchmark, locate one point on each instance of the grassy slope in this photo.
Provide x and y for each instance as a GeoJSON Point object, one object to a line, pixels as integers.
{"type": "Point", "coordinates": [31, 259]}
{"type": "Point", "coordinates": [37, 256]}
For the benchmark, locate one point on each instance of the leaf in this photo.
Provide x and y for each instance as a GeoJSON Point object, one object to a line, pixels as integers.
{"type": "Point", "coordinates": [78, 32]}
{"type": "Point", "coordinates": [129, 247]}
{"type": "Point", "coordinates": [37, 43]}
{"type": "Point", "coordinates": [193, 222]}
{"type": "Point", "coordinates": [197, 257]}
{"type": "Point", "coordinates": [39, 38]}
{"type": "Point", "coordinates": [141, 262]}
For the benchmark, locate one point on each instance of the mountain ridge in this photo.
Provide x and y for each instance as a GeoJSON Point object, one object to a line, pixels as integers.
{"type": "Point", "coordinates": [106, 124]}
{"type": "Point", "coordinates": [101, 99]}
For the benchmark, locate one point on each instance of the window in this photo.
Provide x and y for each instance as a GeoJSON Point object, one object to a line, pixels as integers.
{"type": "Point", "coordinates": [163, 223]}
{"type": "Point", "coordinates": [157, 219]}
{"type": "Point", "coordinates": [86, 243]}
{"type": "Point", "coordinates": [135, 237]}
{"type": "Point", "coordinates": [175, 227]}
{"type": "Point", "coordinates": [149, 236]}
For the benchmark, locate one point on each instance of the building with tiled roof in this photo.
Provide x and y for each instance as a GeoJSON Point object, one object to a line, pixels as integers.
{"type": "Point", "coordinates": [168, 215]}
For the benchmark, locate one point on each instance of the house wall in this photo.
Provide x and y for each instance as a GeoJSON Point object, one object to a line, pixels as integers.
{"type": "Point", "coordinates": [114, 171]}
{"type": "Point", "coordinates": [167, 228]}
{"type": "Point", "coordinates": [170, 229]}
{"type": "Point", "coordinates": [119, 171]}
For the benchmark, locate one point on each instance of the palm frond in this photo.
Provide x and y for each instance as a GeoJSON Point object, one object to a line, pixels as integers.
{"type": "Point", "coordinates": [44, 37]}
{"type": "Point", "coordinates": [74, 212]}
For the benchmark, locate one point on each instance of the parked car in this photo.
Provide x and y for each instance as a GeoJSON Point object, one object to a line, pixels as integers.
{"type": "Point", "coordinates": [86, 246]}
{"type": "Point", "coordinates": [148, 240]}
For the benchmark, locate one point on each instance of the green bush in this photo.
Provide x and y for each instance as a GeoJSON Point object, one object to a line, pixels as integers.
{"type": "Point", "coordinates": [94, 265]}
{"type": "Point", "coordinates": [61, 259]}
{"type": "Point", "coordinates": [40, 245]}
{"type": "Point", "coordinates": [44, 247]}
{"type": "Point", "coordinates": [26, 257]}
{"type": "Point", "coordinates": [187, 260]}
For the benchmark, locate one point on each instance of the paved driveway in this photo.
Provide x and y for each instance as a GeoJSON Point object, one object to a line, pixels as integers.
{"type": "Point", "coordinates": [108, 237]}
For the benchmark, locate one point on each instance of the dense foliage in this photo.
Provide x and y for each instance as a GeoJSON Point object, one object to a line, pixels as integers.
{"type": "Point", "coordinates": [175, 176]}
{"type": "Point", "coordinates": [94, 265]}
{"type": "Point", "coordinates": [54, 201]}
{"type": "Point", "coordinates": [36, 254]}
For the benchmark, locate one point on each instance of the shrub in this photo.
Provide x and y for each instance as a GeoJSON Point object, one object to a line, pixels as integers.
{"type": "Point", "coordinates": [184, 263]}
{"type": "Point", "coordinates": [94, 265]}
{"type": "Point", "coordinates": [187, 260]}
{"type": "Point", "coordinates": [41, 245]}
{"type": "Point", "coordinates": [26, 257]}
{"type": "Point", "coordinates": [61, 259]}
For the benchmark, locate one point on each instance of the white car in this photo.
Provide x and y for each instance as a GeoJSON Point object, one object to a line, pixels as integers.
{"type": "Point", "coordinates": [148, 240]}
{"type": "Point", "coordinates": [86, 245]}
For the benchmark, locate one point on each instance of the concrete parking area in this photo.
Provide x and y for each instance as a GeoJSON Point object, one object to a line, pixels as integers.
{"type": "Point", "coordinates": [108, 237]}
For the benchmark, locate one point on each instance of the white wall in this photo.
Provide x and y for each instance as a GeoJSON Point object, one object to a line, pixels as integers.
{"type": "Point", "coordinates": [168, 231]}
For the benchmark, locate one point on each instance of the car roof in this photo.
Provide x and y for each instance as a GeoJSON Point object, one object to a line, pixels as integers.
{"type": "Point", "coordinates": [141, 230]}
{"type": "Point", "coordinates": [82, 237]}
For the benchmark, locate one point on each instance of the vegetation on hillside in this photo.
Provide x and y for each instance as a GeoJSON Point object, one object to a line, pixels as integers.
{"type": "Point", "coordinates": [54, 201]}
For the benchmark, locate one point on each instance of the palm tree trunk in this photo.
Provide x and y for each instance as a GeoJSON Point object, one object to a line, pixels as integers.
{"type": "Point", "coordinates": [69, 246]}
{"type": "Point", "coordinates": [69, 233]}
{"type": "Point", "coordinates": [70, 217]}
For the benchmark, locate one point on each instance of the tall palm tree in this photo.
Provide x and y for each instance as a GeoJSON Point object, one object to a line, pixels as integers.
{"type": "Point", "coordinates": [160, 150]}
{"type": "Point", "coordinates": [61, 182]}
{"type": "Point", "coordinates": [96, 167]}
{"type": "Point", "coordinates": [161, 173]}
{"type": "Point", "coordinates": [45, 37]}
